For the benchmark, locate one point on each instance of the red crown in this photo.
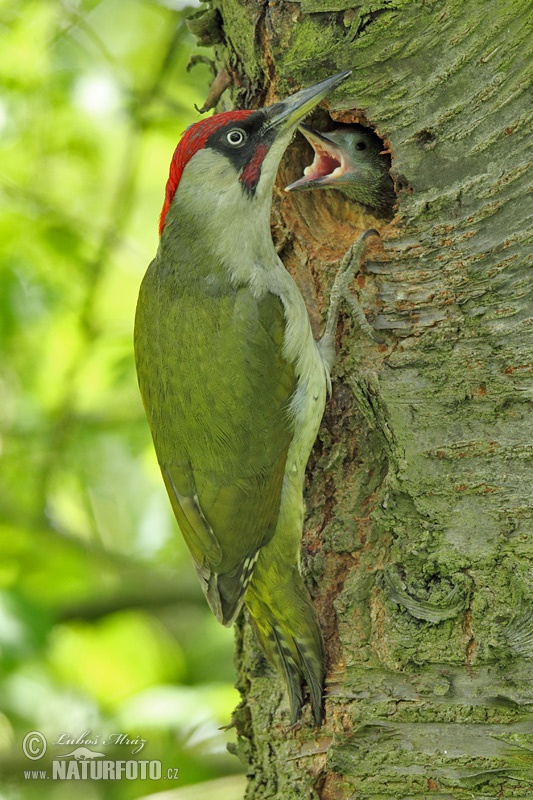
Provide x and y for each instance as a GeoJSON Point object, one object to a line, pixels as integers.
{"type": "Point", "coordinates": [193, 140]}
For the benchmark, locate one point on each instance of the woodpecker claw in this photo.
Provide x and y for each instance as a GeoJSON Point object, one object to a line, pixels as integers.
{"type": "Point", "coordinates": [341, 291]}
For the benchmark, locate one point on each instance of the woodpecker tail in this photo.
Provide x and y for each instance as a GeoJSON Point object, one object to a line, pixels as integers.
{"type": "Point", "coordinates": [288, 632]}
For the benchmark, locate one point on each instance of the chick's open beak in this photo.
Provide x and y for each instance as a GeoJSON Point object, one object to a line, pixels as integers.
{"type": "Point", "coordinates": [328, 164]}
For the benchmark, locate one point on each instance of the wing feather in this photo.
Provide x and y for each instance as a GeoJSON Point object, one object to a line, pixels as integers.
{"type": "Point", "coordinates": [217, 391]}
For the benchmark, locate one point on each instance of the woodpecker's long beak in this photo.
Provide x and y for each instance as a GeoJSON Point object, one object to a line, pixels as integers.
{"type": "Point", "coordinates": [285, 115]}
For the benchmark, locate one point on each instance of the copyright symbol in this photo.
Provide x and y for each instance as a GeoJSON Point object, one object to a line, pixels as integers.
{"type": "Point", "coordinates": [34, 745]}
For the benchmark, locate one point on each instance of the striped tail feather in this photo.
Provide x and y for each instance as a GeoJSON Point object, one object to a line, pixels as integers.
{"type": "Point", "coordinates": [289, 635]}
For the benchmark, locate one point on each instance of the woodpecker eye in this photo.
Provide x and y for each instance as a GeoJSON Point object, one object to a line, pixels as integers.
{"type": "Point", "coordinates": [361, 145]}
{"type": "Point", "coordinates": [236, 137]}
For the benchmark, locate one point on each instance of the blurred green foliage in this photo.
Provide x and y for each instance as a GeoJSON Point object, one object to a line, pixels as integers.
{"type": "Point", "coordinates": [102, 624]}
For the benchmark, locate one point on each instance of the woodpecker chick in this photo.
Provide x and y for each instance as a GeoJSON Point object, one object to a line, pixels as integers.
{"type": "Point", "coordinates": [349, 158]}
{"type": "Point", "coordinates": [233, 383]}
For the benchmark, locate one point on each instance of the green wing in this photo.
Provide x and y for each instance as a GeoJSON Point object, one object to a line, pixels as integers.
{"type": "Point", "coordinates": [217, 391]}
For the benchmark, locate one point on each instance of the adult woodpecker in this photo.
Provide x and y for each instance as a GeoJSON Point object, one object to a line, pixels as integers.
{"type": "Point", "coordinates": [233, 383]}
{"type": "Point", "coordinates": [349, 158]}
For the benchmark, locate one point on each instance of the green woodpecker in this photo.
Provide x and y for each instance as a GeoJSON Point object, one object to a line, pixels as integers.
{"type": "Point", "coordinates": [349, 158]}
{"type": "Point", "coordinates": [233, 383]}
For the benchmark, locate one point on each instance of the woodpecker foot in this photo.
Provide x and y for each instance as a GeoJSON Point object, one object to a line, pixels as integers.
{"type": "Point", "coordinates": [341, 291]}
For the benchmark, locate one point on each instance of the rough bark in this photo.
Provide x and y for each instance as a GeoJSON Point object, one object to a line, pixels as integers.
{"type": "Point", "coordinates": [419, 540]}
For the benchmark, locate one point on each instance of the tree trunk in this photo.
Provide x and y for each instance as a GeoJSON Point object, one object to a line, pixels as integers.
{"type": "Point", "coordinates": [418, 545]}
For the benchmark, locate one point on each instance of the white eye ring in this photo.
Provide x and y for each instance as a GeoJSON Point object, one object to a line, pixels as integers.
{"type": "Point", "coordinates": [236, 137]}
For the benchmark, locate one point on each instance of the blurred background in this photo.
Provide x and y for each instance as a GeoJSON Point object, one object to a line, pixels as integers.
{"type": "Point", "coordinates": [103, 627]}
